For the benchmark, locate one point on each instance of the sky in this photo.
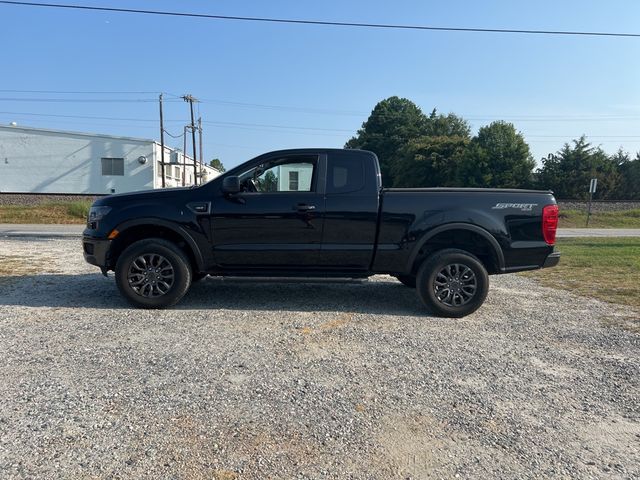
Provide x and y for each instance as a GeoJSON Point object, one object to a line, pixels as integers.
{"type": "Point", "coordinates": [267, 86]}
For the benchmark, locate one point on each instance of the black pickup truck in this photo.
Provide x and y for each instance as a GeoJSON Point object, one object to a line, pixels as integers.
{"type": "Point", "coordinates": [320, 213]}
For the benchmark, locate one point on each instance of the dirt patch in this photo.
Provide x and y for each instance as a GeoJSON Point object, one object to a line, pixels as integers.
{"type": "Point", "coordinates": [20, 265]}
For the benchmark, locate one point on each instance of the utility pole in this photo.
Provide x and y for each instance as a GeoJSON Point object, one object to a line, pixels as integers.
{"type": "Point", "coordinates": [184, 155]}
{"type": "Point", "coordinates": [191, 99]}
{"type": "Point", "coordinates": [201, 155]}
{"type": "Point", "coordinates": [161, 142]}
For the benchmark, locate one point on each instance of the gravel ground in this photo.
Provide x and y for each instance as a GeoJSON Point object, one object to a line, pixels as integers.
{"type": "Point", "coordinates": [598, 207]}
{"type": "Point", "coordinates": [40, 198]}
{"type": "Point", "coordinates": [248, 380]}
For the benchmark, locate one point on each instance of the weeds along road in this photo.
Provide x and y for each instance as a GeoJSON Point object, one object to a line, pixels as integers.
{"type": "Point", "coordinates": [250, 380]}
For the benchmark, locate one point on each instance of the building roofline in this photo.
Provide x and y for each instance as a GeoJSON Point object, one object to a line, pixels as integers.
{"type": "Point", "coordinates": [98, 135]}
{"type": "Point", "coordinates": [82, 134]}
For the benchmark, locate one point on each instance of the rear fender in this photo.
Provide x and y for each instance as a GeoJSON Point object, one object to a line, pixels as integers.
{"type": "Point", "coordinates": [499, 255]}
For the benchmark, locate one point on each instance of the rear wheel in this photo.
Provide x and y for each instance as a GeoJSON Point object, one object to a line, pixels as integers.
{"type": "Point", "coordinates": [407, 280]}
{"type": "Point", "coordinates": [153, 273]}
{"type": "Point", "coordinates": [452, 283]}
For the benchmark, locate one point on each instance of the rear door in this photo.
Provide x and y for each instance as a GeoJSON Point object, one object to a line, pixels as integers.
{"type": "Point", "coordinates": [351, 211]}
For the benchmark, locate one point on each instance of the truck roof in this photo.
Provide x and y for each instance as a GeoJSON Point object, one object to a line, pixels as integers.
{"type": "Point", "coordinates": [306, 151]}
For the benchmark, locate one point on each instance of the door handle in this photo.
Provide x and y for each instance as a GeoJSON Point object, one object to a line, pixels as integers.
{"type": "Point", "coordinates": [302, 207]}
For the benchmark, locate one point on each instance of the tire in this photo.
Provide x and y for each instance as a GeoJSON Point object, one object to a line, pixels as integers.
{"type": "Point", "coordinates": [445, 281]}
{"type": "Point", "coordinates": [153, 273]}
{"type": "Point", "coordinates": [407, 280]}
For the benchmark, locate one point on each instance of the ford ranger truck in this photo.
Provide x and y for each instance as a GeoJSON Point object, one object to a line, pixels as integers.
{"type": "Point", "coordinates": [312, 213]}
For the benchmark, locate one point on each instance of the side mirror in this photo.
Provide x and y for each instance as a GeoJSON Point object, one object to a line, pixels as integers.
{"type": "Point", "coordinates": [231, 185]}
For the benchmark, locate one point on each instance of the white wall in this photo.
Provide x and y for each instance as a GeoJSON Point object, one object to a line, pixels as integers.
{"type": "Point", "coordinates": [305, 173]}
{"type": "Point", "coordinates": [209, 173]}
{"type": "Point", "coordinates": [41, 161]}
{"type": "Point", "coordinates": [170, 177]}
{"type": "Point", "coordinates": [174, 171]}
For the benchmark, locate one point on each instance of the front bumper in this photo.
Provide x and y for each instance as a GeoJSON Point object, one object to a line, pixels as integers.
{"type": "Point", "coordinates": [552, 260]}
{"type": "Point", "coordinates": [96, 251]}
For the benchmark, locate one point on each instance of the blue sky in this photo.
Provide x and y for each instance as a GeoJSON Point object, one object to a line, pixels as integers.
{"type": "Point", "coordinates": [269, 86]}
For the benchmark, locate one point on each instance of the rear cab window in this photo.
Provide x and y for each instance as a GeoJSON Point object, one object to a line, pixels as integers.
{"type": "Point", "coordinates": [346, 174]}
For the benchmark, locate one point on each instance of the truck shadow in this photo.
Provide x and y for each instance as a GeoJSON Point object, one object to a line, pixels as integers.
{"type": "Point", "coordinates": [94, 291]}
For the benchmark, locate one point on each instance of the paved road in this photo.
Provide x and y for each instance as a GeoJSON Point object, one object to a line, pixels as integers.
{"type": "Point", "coordinates": [40, 230]}
{"type": "Point", "coordinates": [58, 231]}
{"type": "Point", "coordinates": [599, 232]}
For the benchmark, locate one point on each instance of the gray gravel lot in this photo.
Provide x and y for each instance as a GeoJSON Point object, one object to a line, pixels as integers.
{"type": "Point", "coordinates": [40, 198]}
{"type": "Point", "coordinates": [256, 381]}
{"type": "Point", "coordinates": [598, 206]}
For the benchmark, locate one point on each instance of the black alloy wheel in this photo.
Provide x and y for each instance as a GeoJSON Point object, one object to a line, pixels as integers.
{"type": "Point", "coordinates": [153, 273]}
{"type": "Point", "coordinates": [452, 283]}
{"type": "Point", "coordinates": [455, 285]}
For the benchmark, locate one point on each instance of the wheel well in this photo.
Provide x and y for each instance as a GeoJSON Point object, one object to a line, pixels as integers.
{"type": "Point", "coordinates": [140, 232]}
{"type": "Point", "coordinates": [462, 239]}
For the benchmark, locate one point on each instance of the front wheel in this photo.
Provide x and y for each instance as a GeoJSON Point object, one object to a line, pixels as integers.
{"type": "Point", "coordinates": [153, 273]}
{"type": "Point", "coordinates": [452, 283]}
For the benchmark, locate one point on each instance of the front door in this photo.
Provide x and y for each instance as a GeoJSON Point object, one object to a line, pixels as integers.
{"type": "Point", "coordinates": [276, 222]}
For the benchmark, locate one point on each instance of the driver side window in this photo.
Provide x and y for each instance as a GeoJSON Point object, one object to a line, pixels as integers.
{"type": "Point", "coordinates": [295, 174]}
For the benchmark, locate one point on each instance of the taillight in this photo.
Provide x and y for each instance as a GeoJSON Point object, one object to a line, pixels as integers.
{"type": "Point", "coordinates": [550, 223]}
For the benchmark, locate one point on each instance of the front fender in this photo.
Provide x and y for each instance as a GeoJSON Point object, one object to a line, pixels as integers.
{"type": "Point", "coordinates": [177, 229]}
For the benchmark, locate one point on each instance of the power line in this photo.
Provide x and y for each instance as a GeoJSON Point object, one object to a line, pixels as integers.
{"type": "Point", "coordinates": [479, 117]}
{"type": "Point", "coordinates": [119, 119]}
{"type": "Point", "coordinates": [85, 92]}
{"type": "Point", "coordinates": [283, 107]}
{"type": "Point", "coordinates": [294, 132]}
{"type": "Point", "coordinates": [213, 122]}
{"type": "Point", "coordinates": [85, 125]}
{"type": "Point", "coordinates": [251, 126]}
{"type": "Point", "coordinates": [174, 136]}
{"type": "Point", "coordinates": [554, 119]}
{"type": "Point", "coordinates": [576, 136]}
{"type": "Point", "coordinates": [325, 22]}
{"type": "Point", "coordinates": [210, 122]}
{"type": "Point", "coordinates": [525, 117]}
{"type": "Point", "coordinates": [81, 100]}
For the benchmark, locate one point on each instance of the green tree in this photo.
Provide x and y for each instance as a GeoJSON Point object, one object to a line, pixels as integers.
{"type": "Point", "coordinates": [569, 171]}
{"type": "Point", "coordinates": [431, 162]}
{"type": "Point", "coordinates": [497, 157]}
{"type": "Point", "coordinates": [267, 182]}
{"type": "Point", "coordinates": [451, 125]}
{"type": "Point", "coordinates": [629, 176]}
{"type": "Point", "coordinates": [392, 124]}
{"type": "Point", "coordinates": [217, 164]}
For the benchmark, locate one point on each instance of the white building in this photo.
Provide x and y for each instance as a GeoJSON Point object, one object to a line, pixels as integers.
{"type": "Point", "coordinates": [294, 177]}
{"type": "Point", "coordinates": [35, 160]}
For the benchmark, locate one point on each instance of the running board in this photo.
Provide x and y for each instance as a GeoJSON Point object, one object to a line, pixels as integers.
{"type": "Point", "coordinates": [290, 279]}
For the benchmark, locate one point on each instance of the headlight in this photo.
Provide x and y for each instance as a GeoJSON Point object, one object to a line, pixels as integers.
{"type": "Point", "coordinates": [98, 213]}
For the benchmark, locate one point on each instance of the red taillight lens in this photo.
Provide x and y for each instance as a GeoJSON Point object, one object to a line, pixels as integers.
{"type": "Point", "coordinates": [550, 223]}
